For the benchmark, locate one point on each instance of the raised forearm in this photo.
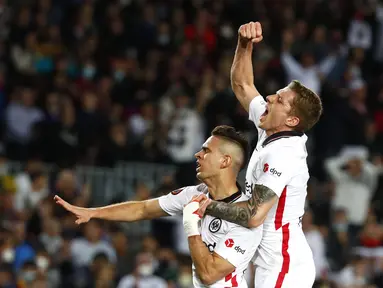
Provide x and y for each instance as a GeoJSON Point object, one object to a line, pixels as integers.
{"type": "Point", "coordinates": [242, 67]}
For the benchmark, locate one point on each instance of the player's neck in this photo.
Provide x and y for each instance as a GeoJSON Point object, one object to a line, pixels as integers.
{"type": "Point", "coordinates": [270, 132]}
{"type": "Point", "coordinates": [221, 188]}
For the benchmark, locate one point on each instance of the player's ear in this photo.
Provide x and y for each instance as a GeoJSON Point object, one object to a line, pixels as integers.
{"type": "Point", "coordinates": [226, 161]}
{"type": "Point", "coordinates": [292, 121]}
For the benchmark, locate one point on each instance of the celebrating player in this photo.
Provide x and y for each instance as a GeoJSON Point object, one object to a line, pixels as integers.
{"type": "Point", "coordinates": [277, 174]}
{"type": "Point", "coordinates": [221, 251]}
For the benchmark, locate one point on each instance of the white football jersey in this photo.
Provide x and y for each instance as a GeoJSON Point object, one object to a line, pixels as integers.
{"type": "Point", "coordinates": [232, 242]}
{"type": "Point", "coordinates": [279, 162]}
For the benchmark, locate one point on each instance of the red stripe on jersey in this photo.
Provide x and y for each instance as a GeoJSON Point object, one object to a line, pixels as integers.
{"type": "Point", "coordinates": [285, 255]}
{"type": "Point", "coordinates": [280, 210]}
{"type": "Point", "coordinates": [233, 279]}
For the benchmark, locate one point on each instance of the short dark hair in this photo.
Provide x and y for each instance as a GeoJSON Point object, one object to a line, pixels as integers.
{"type": "Point", "coordinates": [230, 134]}
{"type": "Point", "coordinates": [307, 106]}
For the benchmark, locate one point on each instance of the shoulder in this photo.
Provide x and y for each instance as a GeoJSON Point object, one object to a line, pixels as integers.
{"type": "Point", "coordinates": [126, 280]}
{"type": "Point", "coordinates": [284, 149]}
{"type": "Point", "coordinates": [157, 281]}
{"type": "Point", "coordinates": [196, 189]}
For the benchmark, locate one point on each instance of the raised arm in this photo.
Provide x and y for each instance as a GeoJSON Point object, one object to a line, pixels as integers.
{"type": "Point", "coordinates": [242, 77]}
{"type": "Point", "coordinates": [127, 211]}
{"type": "Point", "coordinates": [293, 68]}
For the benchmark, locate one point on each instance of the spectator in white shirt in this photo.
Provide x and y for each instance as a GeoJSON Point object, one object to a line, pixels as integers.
{"type": "Point", "coordinates": [21, 116]}
{"type": "Point", "coordinates": [353, 275]}
{"type": "Point", "coordinates": [359, 33]}
{"type": "Point", "coordinates": [141, 123]}
{"type": "Point", "coordinates": [143, 277]}
{"type": "Point", "coordinates": [84, 249]}
{"type": "Point", "coordinates": [355, 179]}
{"type": "Point", "coordinates": [23, 180]}
{"type": "Point", "coordinates": [307, 71]}
{"type": "Point", "coordinates": [27, 200]}
{"type": "Point", "coordinates": [317, 244]}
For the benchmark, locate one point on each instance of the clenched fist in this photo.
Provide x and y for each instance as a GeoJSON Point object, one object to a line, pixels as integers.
{"type": "Point", "coordinates": [251, 31]}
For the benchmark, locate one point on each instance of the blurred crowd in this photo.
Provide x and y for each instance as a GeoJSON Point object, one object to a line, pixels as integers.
{"type": "Point", "coordinates": [103, 82]}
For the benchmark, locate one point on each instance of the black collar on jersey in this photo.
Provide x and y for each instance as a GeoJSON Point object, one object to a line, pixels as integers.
{"type": "Point", "coordinates": [279, 135]}
{"type": "Point", "coordinates": [232, 197]}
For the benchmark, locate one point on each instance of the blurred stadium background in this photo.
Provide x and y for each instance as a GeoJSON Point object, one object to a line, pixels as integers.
{"type": "Point", "coordinates": [103, 101]}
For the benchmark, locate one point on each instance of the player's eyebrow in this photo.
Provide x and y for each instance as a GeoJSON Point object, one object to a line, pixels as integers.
{"type": "Point", "coordinates": [281, 98]}
{"type": "Point", "coordinates": [204, 147]}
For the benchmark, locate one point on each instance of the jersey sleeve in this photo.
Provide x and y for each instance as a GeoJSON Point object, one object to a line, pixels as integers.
{"type": "Point", "coordinates": [256, 109]}
{"type": "Point", "coordinates": [174, 202]}
{"type": "Point", "coordinates": [277, 167]}
{"type": "Point", "coordinates": [239, 245]}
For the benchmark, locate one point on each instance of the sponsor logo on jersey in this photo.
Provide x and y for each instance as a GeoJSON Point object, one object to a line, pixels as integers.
{"type": "Point", "coordinates": [239, 250]}
{"type": "Point", "coordinates": [229, 243]}
{"type": "Point", "coordinates": [215, 225]}
{"type": "Point", "coordinates": [265, 167]}
{"type": "Point", "coordinates": [275, 172]}
{"type": "Point", "coordinates": [177, 191]}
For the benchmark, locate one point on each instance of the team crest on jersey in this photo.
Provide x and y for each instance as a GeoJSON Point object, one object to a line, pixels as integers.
{"type": "Point", "coordinates": [215, 225]}
{"type": "Point", "coordinates": [266, 167]}
{"type": "Point", "coordinates": [176, 192]}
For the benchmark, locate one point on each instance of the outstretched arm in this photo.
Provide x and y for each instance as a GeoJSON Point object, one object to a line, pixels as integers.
{"type": "Point", "coordinates": [127, 211]}
{"type": "Point", "coordinates": [248, 214]}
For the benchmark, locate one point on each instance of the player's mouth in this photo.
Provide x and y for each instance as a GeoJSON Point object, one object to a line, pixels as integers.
{"type": "Point", "coordinates": [263, 116]}
{"type": "Point", "coordinates": [198, 167]}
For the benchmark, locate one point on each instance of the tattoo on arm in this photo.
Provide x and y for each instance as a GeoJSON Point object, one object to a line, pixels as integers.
{"type": "Point", "coordinates": [241, 214]}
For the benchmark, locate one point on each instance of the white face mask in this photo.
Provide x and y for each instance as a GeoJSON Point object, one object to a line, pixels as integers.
{"type": "Point", "coordinates": [29, 276]}
{"type": "Point", "coordinates": [8, 255]}
{"type": "Point", "coordinates": [145, 269]}
{"type": "Point", "coordinates": [185, 280]}
{"type": "Point", "coordinates": [42, 262]}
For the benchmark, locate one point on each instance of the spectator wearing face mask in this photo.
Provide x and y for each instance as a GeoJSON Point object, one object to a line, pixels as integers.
{"type": "Point", "coordinates": [354, 275]}
{"type": "Point", "coordinates": [46, 269]}
{"type": "Point", "coordinates": [27, 274]}
{"type": "Point", "coordinates": [143, 274]}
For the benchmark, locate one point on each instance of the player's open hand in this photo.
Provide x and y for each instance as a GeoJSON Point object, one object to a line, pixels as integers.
{"type": "Point", "coordinates": [83, 214]}
{"type": "Point", "coordinates": [250, 32]}
{"type": "Point", "coordinates": [203, 201]}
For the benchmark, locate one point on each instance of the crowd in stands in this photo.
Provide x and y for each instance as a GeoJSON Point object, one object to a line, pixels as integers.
{"type": "Point", "coordinates": [100, 83]}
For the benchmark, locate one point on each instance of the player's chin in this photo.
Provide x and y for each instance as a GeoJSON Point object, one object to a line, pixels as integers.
{"type": "Point", "coordinates": [262, 124]}
{"type": "Point", "coordinates": [201, 176]}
